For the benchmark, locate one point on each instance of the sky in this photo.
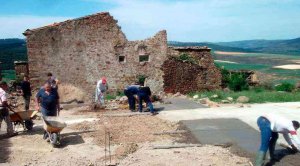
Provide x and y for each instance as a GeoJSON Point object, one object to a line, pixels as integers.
{"type": "Point", "coordinates": [184, 20]}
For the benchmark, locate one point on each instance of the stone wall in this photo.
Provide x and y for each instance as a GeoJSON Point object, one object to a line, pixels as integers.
{"type": "Point", "coordinates": [82, 50]}
{"type": "Point", "coordinates": [185, 77]}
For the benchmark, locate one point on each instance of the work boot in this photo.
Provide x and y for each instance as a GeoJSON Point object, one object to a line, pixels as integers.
{"type": "Point", "coordinates": [260, 157]}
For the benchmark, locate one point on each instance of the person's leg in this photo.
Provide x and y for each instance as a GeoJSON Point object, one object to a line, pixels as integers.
{"type": "Point", "coordinates": [1, 119]}
{"type": "Point", "coordinates": [149, 104]}
{"type": "Point", "coordinates": [128, 97]}
{"type": "Point", "coordinates": [27, 102]}
{"type": "Point", "coordinates": [10, 129]}
{"type": "Point", "coordinates": [272, 145]}
{"type": "Point", "coordinates": [265, 133]}
{"type": "Point", "coordinates": [133, 102]}
{"type": "Point", "coordinates": [140, 103]}
{"type": "Point", "coordinates": [43, 111]}
{"type": "Point", "coordinates": [103, 98]}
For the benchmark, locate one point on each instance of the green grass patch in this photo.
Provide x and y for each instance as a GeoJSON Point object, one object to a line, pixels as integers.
{"type": "Point", "coordinates": [239, 66]}
{"type": "Point", "coordinates": [255, 96]}
{"type": "Point", "coordinates": [8, 75]}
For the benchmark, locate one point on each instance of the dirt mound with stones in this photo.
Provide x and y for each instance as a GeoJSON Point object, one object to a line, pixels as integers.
{"type": "Point", "coordinates": [135, 129]}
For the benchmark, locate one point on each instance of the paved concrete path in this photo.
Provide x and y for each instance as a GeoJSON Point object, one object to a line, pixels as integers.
{"type": "Point", "coordinates": [247, 114]}
{"type": "Point", "coordinates": [225, 131]}
{"type": "Point", "coordinates": [179, 104]}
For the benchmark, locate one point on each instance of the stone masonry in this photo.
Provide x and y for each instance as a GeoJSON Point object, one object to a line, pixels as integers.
{"type": "Point", "coordinates": [81, 51]}
{"type": "Point", "coordinates": [186, 77]}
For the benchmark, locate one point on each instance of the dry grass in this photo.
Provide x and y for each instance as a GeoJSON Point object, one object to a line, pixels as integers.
{"type": "Point", "coordinates": [69, 92]}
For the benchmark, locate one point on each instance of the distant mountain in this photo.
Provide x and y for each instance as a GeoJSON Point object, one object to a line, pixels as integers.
{"type": "Point", "coordinates": [213, 46]}
{"type": "Point", "coordinates": [291, 46]}
{"type": "Point", "coordinates": [12, 50]}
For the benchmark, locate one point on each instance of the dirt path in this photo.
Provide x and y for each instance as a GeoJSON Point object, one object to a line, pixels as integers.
{"type": "Point", "coordinates": [132, 139]}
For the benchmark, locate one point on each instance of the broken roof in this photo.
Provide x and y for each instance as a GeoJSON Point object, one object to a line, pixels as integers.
{"type": "Point", "coordinates": [28, 31]}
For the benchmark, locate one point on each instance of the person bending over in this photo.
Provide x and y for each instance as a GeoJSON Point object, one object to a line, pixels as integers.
{"type": "Point", "coordinates": [270, 126]}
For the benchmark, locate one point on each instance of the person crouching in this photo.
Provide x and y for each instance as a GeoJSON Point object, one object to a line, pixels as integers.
{"type": "Point", "coordinates": [144, 94]}
{"type": "Point", "coordinates": [129, 92]}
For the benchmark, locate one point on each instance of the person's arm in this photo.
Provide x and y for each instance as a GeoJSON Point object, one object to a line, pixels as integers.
{"type": "Point", "coordinates": [4, 100]}
{"type": "Point", "coordinates": [58, 103]}
{"type": "Point", "coordinates": [295, 140]}
{"type": "Point", "coordinates": [37, 101]}
{"type": "Point", "coordinates": [56, 81]}
{"type": "Point", "coordinates": [287, 138]}
{"type": "Point", "coordinates": [98, 86]}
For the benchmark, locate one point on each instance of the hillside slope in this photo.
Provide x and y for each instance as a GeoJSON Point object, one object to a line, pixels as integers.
{"type": "Point", "coordinates": [291, 46]}
{"type": "Point", "coordinates": [12, 50]}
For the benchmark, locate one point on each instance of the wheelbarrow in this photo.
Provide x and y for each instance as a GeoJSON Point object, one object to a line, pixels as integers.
{"type": "Point", "coordinates": [53, 126]}
{"type": "Point", "coordinates": [24, 118]}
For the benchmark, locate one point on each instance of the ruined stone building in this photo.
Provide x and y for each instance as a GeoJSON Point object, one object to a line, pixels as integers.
{"type": "Point", "coordinates": [81, 51]}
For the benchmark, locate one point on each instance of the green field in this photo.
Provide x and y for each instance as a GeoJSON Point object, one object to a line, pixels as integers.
{"type": "Point", "coordinates": [8, 75]}
{"type": "Point", "coordinates": [255, 96]}
{"type": "Point", "coordinates": [261, 62]}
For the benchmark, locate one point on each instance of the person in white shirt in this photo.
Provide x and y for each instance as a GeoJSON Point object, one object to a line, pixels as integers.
{"type": "Point", "coordinates": [101, 88]}
{"type": "Point", "coordinates": [270, 126]}
{"type": "Point", "coordinates": [4, 113]}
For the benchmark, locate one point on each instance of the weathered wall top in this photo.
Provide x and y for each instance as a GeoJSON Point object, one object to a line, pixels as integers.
{"type": "Point", "coordinates": [190, 48]}
{"type": "Point", "coordinates": [101, 14]}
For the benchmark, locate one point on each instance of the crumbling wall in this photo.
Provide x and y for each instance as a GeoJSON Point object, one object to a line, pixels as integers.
{"type": "Point", "coordinates": [81, 51]}
{"type": "Point", "coordinates": [186, 77]}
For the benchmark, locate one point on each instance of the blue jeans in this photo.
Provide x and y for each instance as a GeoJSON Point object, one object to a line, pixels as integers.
{"type": "Point", "coordinates": [46, 112]}
{"type": "Point", "coordinates": [146, 98]}
{"type": "Point", "coordinates": [268, 138]}
{"type": "Point", "coordinates": [131, 99]}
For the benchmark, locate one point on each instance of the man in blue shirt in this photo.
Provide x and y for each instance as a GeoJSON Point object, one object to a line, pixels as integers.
{"type": "Point", "coordinates": [47, 100]}
{"type": "Point", "coordinates": [130, 91]}
{"type": "Point", "coordinates": [144, 94]}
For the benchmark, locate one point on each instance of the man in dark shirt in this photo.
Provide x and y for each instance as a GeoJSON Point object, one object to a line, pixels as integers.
{"type": "Point", "coordinates": [26, 91]}
{"type": "Point", "coordinates": [144, 94]}
{"type": "Point", "coordinates": [47, 100]}
{"type": "Point", "coordinates": [130, 91]}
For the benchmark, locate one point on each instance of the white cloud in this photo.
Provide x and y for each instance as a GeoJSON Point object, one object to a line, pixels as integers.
{"type": "Point", "coordinates": [14, 26]}
{"type": "Point", "coordinates": [209, 20]}
{"type": "Point", "coordinates": [187, 20]}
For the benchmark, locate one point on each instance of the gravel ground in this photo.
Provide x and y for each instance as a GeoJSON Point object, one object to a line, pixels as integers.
{"type": "Point", "coordinates": [131, 141]}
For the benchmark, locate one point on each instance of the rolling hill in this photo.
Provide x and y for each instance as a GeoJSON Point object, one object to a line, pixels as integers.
{"type": "Point", "coordinates": [12, 50]}
{"type": "Point", "coordinates": [291, 46]}
{"type": "Point", "coordinates": [15, 49]}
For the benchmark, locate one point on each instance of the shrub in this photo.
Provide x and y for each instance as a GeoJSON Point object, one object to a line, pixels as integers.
{"type": "Point", "coordinates": [238, 82]}
{"type": "Point", "coordinates": [286, 87]}
{"type": "Point", "coordinates": [141, 79]}
{"type": "Point", "coordinates": [187, 58]}
{"type": "Point", "coordinates": [225, 77]}
{"type": "Point", "coordinates": [267, 85]}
